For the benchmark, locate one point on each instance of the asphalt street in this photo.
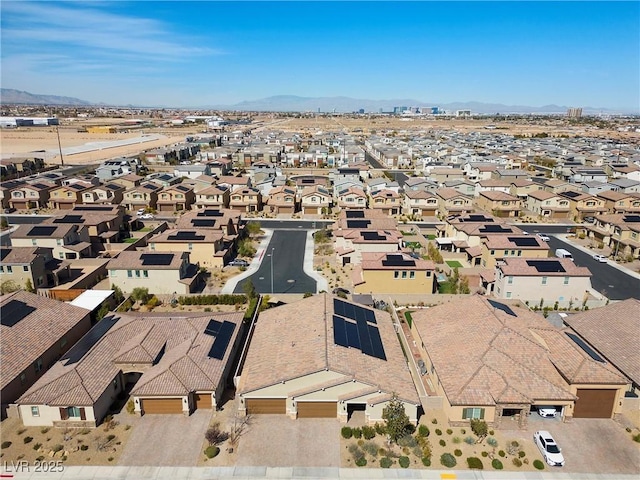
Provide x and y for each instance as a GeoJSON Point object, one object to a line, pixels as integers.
{"type": "Point", "coordinates": [287, 273]}
{"type": "Point", "coordinates": [613, 283]}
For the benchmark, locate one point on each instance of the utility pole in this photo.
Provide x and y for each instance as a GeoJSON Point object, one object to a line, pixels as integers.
{"type": "Point", "coordinates": [60, 147]}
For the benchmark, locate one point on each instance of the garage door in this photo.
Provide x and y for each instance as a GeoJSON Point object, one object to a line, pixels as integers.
{"type": "Point", "coordinates": [203, 400]}
{"type": "Point", "coordinates": [317, 410]}
{"type": "Point", "coordinates": [266, 405]}
{"type": "Point", "coordinates": [162, 405]}
{"type": "Point", "coordinates": [594, 403]}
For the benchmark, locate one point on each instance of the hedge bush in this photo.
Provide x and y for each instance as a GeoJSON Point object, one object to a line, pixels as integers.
{"type": "Point", "coordinates": [426, 461]}
{"type": "Point", "coordinates": [361, 462]}
{"type": "Point", "coordinates": [475, 462]}
{"type": "Point", "coordinates": [368, 432]}
{"type": "Point", "coordinates": [449, 431]}
{"type": "Point", "coordinates": [443, 443]}
{"type": "Point", "coordinates": [385, 462]}
{"type": "Point", "coordinates": [457, 452]}
{"type": "Point", "coordinates": [211, 451]}
{"type": "Point", "coordinates": [501, 453]}
{"type": "Point", "coordinates": [346, 432]}
{"type": "Point", "coordinates": [485, 454]}
{"type": "Point", "coordinates": [27, 439]}
{"type": "Point", "coordinates": [404, 462]}
{"type": "Point", "coordinates": [497, 464]}
{"type": "Point", "coordinates": [538, 464]}
{"type": "Point", "coordinates": [224, 299]}
{"type": "Point", "coordinates": [636, 438]}
{"type": "Point", "coordinates": [357, 432]}
{"type": "Point", "coordinates": [438, 431]}
{"type": "Point", "coordinates": [423, 431]}
{"type": "Point", "coordinates": [6, 444]}
{"type": "Point", "coordinates": [521, 454]}
{"type": "Point", "coordinates": [448, 460]}
{"type": "Point", "coordinates": [517, 462]}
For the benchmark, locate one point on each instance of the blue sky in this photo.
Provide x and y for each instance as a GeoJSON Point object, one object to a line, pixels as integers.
{"type": "Point", "coordinates": [205, 53]}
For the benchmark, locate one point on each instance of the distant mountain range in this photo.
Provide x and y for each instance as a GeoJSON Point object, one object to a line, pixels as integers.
{"type": "Point", "coordinates": [293, 103]}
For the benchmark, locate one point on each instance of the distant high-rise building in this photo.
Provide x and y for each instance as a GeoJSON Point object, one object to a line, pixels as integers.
{"type": "Point", "coordinates": [463, 113]}
{"type": "Point", "coordinates": [434, 111]}
{"type": "Point", "coordinates": [574, 112]}
{"type": "Point", "coordinates": [361, 111]}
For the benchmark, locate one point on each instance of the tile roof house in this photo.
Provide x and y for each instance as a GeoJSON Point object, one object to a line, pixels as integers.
{"type": "Point", "coordinates": [32, 264]}
{"type": "Point", "coordinates": [583, 205]}
{"type": "Point", "coordinates": [282, 200]}
{"type": "Point", "coordinates": [66, 197]}
{"type": "Point", "coordinates": [494, 361]}
{"type": "Point", "coordinates": [176, 198]}
{"type": "Point", "coordinates": [68, 240]}
{"type": "Point", "coordinates": [548, 205]}
{"type": "Point", "coordinates": [35, 332]}
{"type": "Point", "coordinates": [499, 204]}
{"type": "Point", "coordinates": [419, 203]}
{"type": "Point", "coordinates": [351, 198]}
{"type": "Point", "coordinates": [335, 358]}
{"type": "Point", "coordinates": [141, 196]}
{"type": "Point", "coordinates": [315, 200]}
{"type": "Point", "coordinates": [246, 200]}
{"type": "Point", "coordinates": [223, 219]}
{"type": "Point", "coordinates": [497, 247]}
{"type": "Point", "coordinates": [617, 202]}
{"type": "Point", "coordinates": [452, 202]}
{"type": "Point", "coordinates": [621, 232]}
{"type": "Point", "coordinates": [30, 195]}
{"type": "Point", "coordinates": [387, 201]}
{"type": "Point", "coordinates": [171, 363]}
{"type": "Point", "coordinates": [206, 246]}
{"type": "Point", "coordinates": [213, 196]}
{"type": "Point", "coordinates": [396, 272]}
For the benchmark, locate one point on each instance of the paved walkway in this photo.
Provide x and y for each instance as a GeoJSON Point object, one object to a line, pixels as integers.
{"type": "Point", "coordinates": [253, 267]}
{"type": "Point", "coordinates": [308, 473]}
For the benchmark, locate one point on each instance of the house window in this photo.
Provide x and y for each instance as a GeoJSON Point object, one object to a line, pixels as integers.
{"type": "Point", "coordinates": [137, 273]}
{"type": "Point", "coordinates": [61, 255]}
{"type": "Point", "coordinates": [412, 274]}
{"type": "Point", "coordinates": [9, 269]}
{"type": "Point", "coordinates": [129, 274]}
{"type": "Point", "coordinates": [34, 242]}
{"type": "Point", "coordinates": [472, 413]}
{"type": "Point", "coordinates": [544, 280]}
{"type": "Point", "coordinates": [37, 365]}
{"type": "Point", "coordinates": [428, 273]}
{"type": "Point", "coordinates": [404, 274]}
{"type": "Point", "coordinates": [513, 252]}
{"type": "Point", "coordinates": [112, 273]}
{"type": "Point", "coordinates": [510, 280]}
{"type": "Point", "coordinates": [396, 274]}
{"type": "Point", "coordinates": [190, 246]}
{"type": "Point", "coordinates": [506, 252]}
{"type": "Point", "coordinates": [23, 378]}
{"type": "Point", "coordinates": [35, 411]}
{"type": "Point", "coordinates": [58, 241]}
{"type": "Point", "coordinates": [508, 294]}
{"type": "Point", "coordinates": [145, 273]}
{"type": "Point", "coordinates": [25, 268]}
{"type": "Point", "coordinates": [493, 252]}
{"type": "Point", "coordinates": [566, 280]}
{"type": "Point", "coordinates": [519, 253]}
{"type": "Point", "coordinates": [152, 246]}
{"type": "Point", "coordinates": [2, 268]}
{"type": "Point", "coordinates": [73, 412]}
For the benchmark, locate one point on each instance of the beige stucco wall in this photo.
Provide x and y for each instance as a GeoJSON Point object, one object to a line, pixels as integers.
{"type": "Point", "coordinates": [531, 289]}
{"type": "Point", "coordinates": [383, 281]}
{"type": "Point", "coordinates": [201, 253]}
{"type": "Point", "coordinates": [158, 282]}
{"type": "Point", "coordinates": [489, 261]}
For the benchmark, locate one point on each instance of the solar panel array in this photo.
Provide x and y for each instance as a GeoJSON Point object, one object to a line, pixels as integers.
{"type": "Point", "coordinates": [92, 208]}
{"type": "Point", "coordinates": [586, 348]}
{"type": "Point", "coordinates": [210, 213]}
{"type": "Point", "coordinates": [196, 222]}
{"type": "Point", "coordinates": [501, 306]}
{"type": "Point", "coordinates": [477, 218]}
{"type": "Point", "coordinates": [524, 241]}
{"type": "Point", "coordinates": [156, 258]}
{"type": "Point", "coordinates": [355, 214]}
{"type": "Point", "coordinates": [14, 311]}
{"type": "Point", "coordinates": [186, 235]}
{"type": "Point", "coordinates": [398, 261]}
{"type": "Point", "coordinates": [222, 331]}
{"type": "Point", "coordinates": [70, 219]}
{"type": "Point", "coordinates": [495, 229]}
{"type": "Point", "coordinates": [3, 253]}
{"type": "Point", "coordinates": [372, 236]}
{"type": "Point", "coordinates": [363, 334]}
{"type": "Point", "coordinates": [546, 266]}
{"type": "Point", "coordinates": [571, 194]}
{"type": "Point", "coordinates": [358, 224]}
{"type": "Point", "coordinates": [631, 218]}
{"type": "Point", "coordinates": [41, 231]}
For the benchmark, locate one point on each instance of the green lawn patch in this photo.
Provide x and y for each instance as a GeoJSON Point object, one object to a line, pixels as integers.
{"type": "Point", "coordinates": [146, 229]}
{"type": "Point", "coordinates": [406, 234]}
{"type": "Point", "coordinates": [454, 264]}
{"type": "Point", "coordinates": [407, 316]}
{"type": "Point", "coordinates": [130, 240]}
{"type": "Point", "coordinates": [446, 287]}
{"type": "Point", "coordinates": [413, 244]}
{"type": "Point", "coordinates": [431, 237]}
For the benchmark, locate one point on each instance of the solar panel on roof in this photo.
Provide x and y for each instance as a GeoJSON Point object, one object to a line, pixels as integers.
{"type": "Point", "coordinates": [501, 306]}
{"type": "Point", "coordinates": [213, 327]}
{"type": "Point", "coordinates": [40, 185]}
{"type": "Point", "coordinates": [495, 229]}
{"type": "Point", "coordinates": [157, 258]}
{"type": "Point", "coordinates": [186, 235]}
{"type": "Point", "coordinates": [210, 213]}
{"type": "Point", "coordinates": [477, 218]}
{"type": "Point", "coordinates": [631, 218]}
{"type": "Point", "coordinates": [41, 231]}
{"type": "Point", "coordinates": [376, 343]}
{"type": "Point", "coordinates": [14, 311]}
{"type": "Point", "coordinates": [221, 342]}
{"type": "Point", "coordinates": [353, 338]}
{"type": "Point", "coordinates": [111, 186]}
{"type": "Point", "coordinates": [585, 347]}
{"type": "Point", "coordinates": [355, 214]}
{"type": "Point", "coordinates": [365, 338]}
{"type": "Point", "coordinates": [196, 222]}
{"type": "Point", "coordinates": [570, 194]}
{"type": "Point", "coordinates": [398, 261]}
{"type": "Point", "coordinates": [339, 332]}
{"type": "Point", "coordinates": [338, 307]}
{"type": "Point", "coordinates": [369, 315]}
{"type": "Point", "coordinates": [358, 224]}
{"type": "Point", "coordinates": [546, 266]}
{"type": "Point", "coordinates": [70, 219]}
{"type": "Point", "coordinates": [524, 241]}
{"type": "Point", "coordinates": [372, 236]}
{"type": "Point", "coordinates": [3, 253]}
{"type": "Point", "coordinates": [308, 180]}
{"type": "Point", "coordinates": [151, 186]}
{"type": "Point", "coordinates": [92, 208]}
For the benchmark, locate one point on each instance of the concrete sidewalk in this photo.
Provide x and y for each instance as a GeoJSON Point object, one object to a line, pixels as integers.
{"type": "Point", "coordinates": [308, 473]}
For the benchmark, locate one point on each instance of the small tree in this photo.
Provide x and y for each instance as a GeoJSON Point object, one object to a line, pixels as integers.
{"type": "Point", "coordinates": [214, 435]}
{"type": "Point", "coordinates": [8, 286]}
{"type": "Point", "coordinates": [140, 294]}
{"type": "Point", "coordinates": [246, 249]}
{"type": "Point", "coordinates": [253, 228]}
{"type": "Point", "coordinates": [395, 418]}
{"type": "Point", "coordinates": [249, 289]}
{"type": "Point", "coordinates": [464, 285]}
{"type": "Point", "coordinates": [479, 427]}
{"type": "Point", "coordinates": [28, 286]}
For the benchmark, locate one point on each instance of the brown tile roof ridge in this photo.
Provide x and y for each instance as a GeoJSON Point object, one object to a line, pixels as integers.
{"type": "Point", "coordinates": [357, 393]}
{"type": "Point", "coordinates": [134, 343]}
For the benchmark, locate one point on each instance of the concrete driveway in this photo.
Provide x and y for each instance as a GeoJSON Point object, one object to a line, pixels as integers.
{"type": "Point", "coordinates": [591, 445]}
{"type": "Point", "coordinates": [278, 441]}
{"type": "Point", "coordinates": [166, 440]}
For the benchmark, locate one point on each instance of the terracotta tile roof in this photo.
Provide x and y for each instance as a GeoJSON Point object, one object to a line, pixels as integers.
{"type": "Point", "coordinates": [289, 344]}
{"type": "Point", "coordinates": [613, 331]}
{"type": "Point", "coordinates": [483, 355]}
{"type": "Point", "coordinates": [498, 196]}
{"type": "Point", "coordinates": [373, 261]}
{"type": "Point", "coordinates": [520, 268]}
{"type": "Point", "coordinates": [44, 326]}
{"type": "Point", "coordinates": [18, 255]}
{"type": "Point", "coordinates": [449, 193]}
{"type": "Point", "coordinates": [511, 241]}
{"type": "Point", "coordinates": [208, 236]}
{"type": "Point", "coordinates": [542, 195]}
{"type": "Point", "coordinates": [84, 373]}
{"type": "Point", "coordinates": [129, 259]}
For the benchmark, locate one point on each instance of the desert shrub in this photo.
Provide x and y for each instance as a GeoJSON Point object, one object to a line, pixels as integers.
{"type": "Point", "coordinates": [57, 448]}
{"type": "Point", "coordinates": [37, 446]}
{"type": "Point", "coordinates": [457, 452]}
{"type": "Point", "coordinates": [438, 431]}
{"type": "Point", "coordinates": [521, 454]}
{"type": "Point", "coordinates": [214, 435]}
{"type": "Point", "coordinates": [538, 464]}
{"type": "Point", "coordinates": [44, 430]}
{"type": "Point", "coordinates": [153, 302]}
{"type": "Point", "coordinates": [449, 431]}
{"type": "Point", "coordinates": [346, 432]}
{"type": "Point", "coordinates": [27, 439]}
{"type": "Point", "coordinates": [382, 452]}
{"type": "Point", "coordinates": [497, 464]}
{"type": "Point", "coordinates": [456, 440]}
{"type": "Point", "coordinates": [426, 461]}
{"type": "Point", "coordinates": [21, 431]}
{"type": "Point", "coordinates": [380, 428]}
{"type": "Point", "coordinates": [525, 461]}
{"type": "Point", "coordinates": [368, 432]}
{"type": "Point", "coordinates": [224, 299]}
{"type": "Point", "coordinates": [479, 427]}
{"type": "Point", "coordinates": [371, 448]}
{"type": "Point", "coordinates": [492, 441]}
{"type": "Point", "coordinates": [357, 432]}
{"type": "Point", "coordinates": [423, 431]}
{"type": "Point", "coordinates": [434, 421]}
{"type": "Point", "coordinates": [211, 451]}
{"type": "Point", "coordinates": [110, 459]}
{"type": "Point", "coordinates": [404, 462]}
{"type": "Point", "coordinates": [475, 462]}
{"type": "Point", "coordinates": [442, 443]}
{"type": "Point", "coordinates": [361, 462]}
{"type": "Point", "coordinates": [485, 454]}
{"type": "Point", "coordinates": [5, 444]}
{"type": "Point", "coordinates": [417, 451]}
{"type": "Point", "coordinates": [463, 431]}
{"type": "Point", "coordinates": [385, 462]}
{"type": "Point", "coordinates": [131, 408]}
{"type": "Point", "coordinates": [501, 453]}
{"type": "Point", "coordinates": [407, 441]}
{"type": "Point", "coordinates": [360, 442]}
{"type": "Point", "coordinates": [448, 460]}
{"type": "Point", "coordinates": [355, 451]}
{"type": "Point", "coordinates": [84, 448]}
{"type": "Point", "coordinates": [636, 438]}
{"type": "Point", "coordinates": [469, 440]}
{"type": "Point", "coordinates": [517, 462]}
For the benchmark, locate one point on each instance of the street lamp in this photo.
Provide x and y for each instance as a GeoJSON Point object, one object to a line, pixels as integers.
{"type": "Point", "coordinates": [272, 249]}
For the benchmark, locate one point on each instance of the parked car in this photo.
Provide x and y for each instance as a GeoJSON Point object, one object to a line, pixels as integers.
{"type": "Point", "coordinates": [238, 262]}
{"type": "Point", "coordinates": [146, 216]}
{"type": "Point", "coordinates": [140, 212]}
{"type": "Point", "coordinates": [547, 412]}
{"type": "Point", "coordinates": [542, 237]}
{"type": "Point", "coordinates": [599, 258]}
{"type": "Point", "coordinates": [550, 450]}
